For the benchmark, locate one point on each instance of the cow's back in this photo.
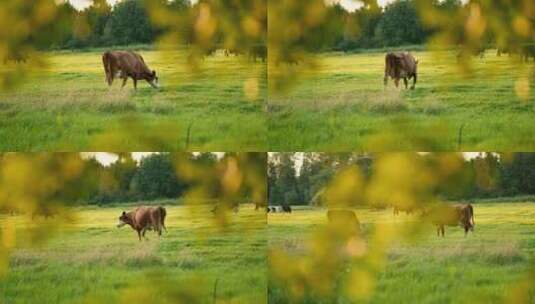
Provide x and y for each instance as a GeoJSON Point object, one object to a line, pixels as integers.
{"type": "Point", "coordinates": [409, 63]}
{"type": "Point", "coordinates": [128, 62]}
{"type": "Point", "coordinates": [400, 65]}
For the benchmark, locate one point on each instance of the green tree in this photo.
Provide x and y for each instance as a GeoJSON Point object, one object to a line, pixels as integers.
{"type": "Point", "coordinates": [156, 178]}
{"type": "Point", "coordinates": [400, 24]}
{"type": "Point", "coordinates": [130, 23]}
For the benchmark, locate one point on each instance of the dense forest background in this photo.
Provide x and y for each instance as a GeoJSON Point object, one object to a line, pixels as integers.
{"type": "Point", "coordinates": [128, 22]}
{"type": "Point", "coordinates": [489, 175]}
{"type": "Point", "coordinates": [154, 176]}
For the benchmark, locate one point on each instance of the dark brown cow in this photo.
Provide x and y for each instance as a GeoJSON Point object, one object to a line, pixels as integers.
{"type": "Point", "coordinates": [456, 215]}
{"type": "Point", "coordinates": [143, 219]}
{"type": "Point", "coordinates": [258, 51]}
{"type": "Point", "coordinates": [127, 64]}
{"type": "Point", "coordinates": [401, 65]}
{"type": "Point", "coordinates": [407, 210]}
{"type": "Point", "coordinates": [524, 51]}
{"type": "Point", "coordinates": [343, 219]}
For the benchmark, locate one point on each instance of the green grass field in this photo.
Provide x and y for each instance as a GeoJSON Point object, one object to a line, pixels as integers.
{"type": "Point", "coordinates": [477, 269]}
{"type": "Point", "coordinates": [71, 108]}
{"type": "Point", "coordinates": [92, 260]}
{"type": "Point", "coordinates": [344, 107]}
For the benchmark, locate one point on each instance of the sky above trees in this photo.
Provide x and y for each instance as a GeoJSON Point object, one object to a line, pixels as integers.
{"type": "Point", "coordinates": [350, 5]}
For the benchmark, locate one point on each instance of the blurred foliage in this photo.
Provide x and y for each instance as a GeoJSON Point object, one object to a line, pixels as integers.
{"type": "Point", "coordinates": [25, 26]}
{"type": "Point", "coordinates": [297, 30]}
{"type": "Point", "coordinates": [340, 178]}
{"type": "Point", "coordinates": [40, 189]}
{"type": "Point", "coordinates": [338, 265]}
{"type": "Point", "coordinates": [41, 186]}
{"type": "Point", "coordinates": [235, 176]}
{"type": "Point", "coordinates": [239, 27]}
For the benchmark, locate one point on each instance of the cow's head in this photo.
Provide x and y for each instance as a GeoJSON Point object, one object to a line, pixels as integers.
{"type": "Point", "coordinates": [124, 219]}
{"type": "Point", "coordinates": [152, 79]}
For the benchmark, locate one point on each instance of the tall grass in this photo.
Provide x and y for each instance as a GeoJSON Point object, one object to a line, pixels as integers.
{"type": "Point", "coordinates": [92, 259]}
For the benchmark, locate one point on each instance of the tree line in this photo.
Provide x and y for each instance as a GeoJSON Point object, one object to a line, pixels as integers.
{"type": "Point", "coordinates": [131, 22]}
{"type": "Point", "coordinates": [127, 22]}
{"type": "Point", "coordinates": [80, 179]}
{"type": "Point", "coordinates": [489, 175]}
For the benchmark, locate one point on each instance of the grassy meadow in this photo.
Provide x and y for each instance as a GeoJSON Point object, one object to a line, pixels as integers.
{"type": "Point", "coordinates": [92, 261]}
{"type": "Point", "coordinates": [479, 268]}
{"type": "Point", "coordinates": [68, 106]}
{"type": "Point", "coordinates": [343, 106]}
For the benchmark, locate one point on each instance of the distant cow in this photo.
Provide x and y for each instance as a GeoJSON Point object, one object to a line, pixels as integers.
{"type": "Point", "coordinates": [401, 65]}
{"type": "Point", "coordinates": [143, 219]}
{"type": "Point", "coordinates": [525, 51]}
{"type": "Point", "coordinates": [456, 215]}
{"type": "Point", "coordinates": [127, 64]}
{"type": "Point", "coordinates": [407, 210]}
{"type": "Point", "coordinates": [258, 51]}
{"type": "Point", "coordinates": [279, 209]}
{"type": "Point", "coordinates": [344, 219]}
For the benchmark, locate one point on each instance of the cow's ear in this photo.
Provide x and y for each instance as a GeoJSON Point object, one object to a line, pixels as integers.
{"type": "Point", "coordinates": [124, 213]}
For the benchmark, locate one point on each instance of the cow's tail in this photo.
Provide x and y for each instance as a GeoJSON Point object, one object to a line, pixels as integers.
{"type": "Point", "coordinates": [163, 214]}
{"type": "Point", "coordinates": [472, 215]}
{"type": "Point", "coordinates": [106, 60]}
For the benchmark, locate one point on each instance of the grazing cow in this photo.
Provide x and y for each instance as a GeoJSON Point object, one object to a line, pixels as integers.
{"type": "Point", "coordinates": [345, 220]}
{"type": "Point", "coordinates": [525, 51]}
{"type": "Point", "coordinates": [232, 51]}
{"type": "Point", "coordinates": [407, 210]}
{"type": "Point", "coordinates": [401, 65]}
{"type": "Point", "coordinates": [127, 64]}
{"type": "Point", "coordinates": [259, 205]}
{"type": "Point", "coordinates": [46, 211]}
{"type": "Point", "coordinates": [16, 57]}
{"type": "Point", "coordinates": [258, 51]}
{"type": "Point", "coordinates": [143, 219]}
{"type": "Point", "coordinates": [279, 209]}
{"type": "Point", "coordinates": [286, 208]}
{"type": "Point", "coordinates": [456, 215]}
{"type": "Point", "coordinates": [274, 209]}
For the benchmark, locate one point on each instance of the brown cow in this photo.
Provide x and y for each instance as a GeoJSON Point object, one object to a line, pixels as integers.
{"type": "Point", "coordinates": [401, 65]}
{"type": "Point", "coordinates": [344, 219]}
{"type": "Point", "coordinates": [127, 64]}
{"type": "Point", "coordinates": [525, 51]}
{"type": "Point", "coordinates": [143, 219]}
{"type": "Point", "coordinates": [456, 215]}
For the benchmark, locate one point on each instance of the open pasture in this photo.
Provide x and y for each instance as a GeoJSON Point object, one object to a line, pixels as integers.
{"type": "Point", "coordinates": [70, 107]}
{"type": "Point", "coordinates": [92, 261]}
{"type": "Point", "coordinates": [479, 268]}
{"type": "Point", "coordinates": [343, 106]}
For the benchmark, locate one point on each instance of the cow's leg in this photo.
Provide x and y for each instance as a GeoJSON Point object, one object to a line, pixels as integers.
{"type": "Point", "coordinates": [135, 83]}
{"type": "Point", "coordinates": [406, 82]}
{"type": "Point", "coordinates": [396, 82]}
{"type": "Point", "coordinates": [139, 234]}
{"type": "Point", "coordinates": [124, 82]}
{"type": "Point", "coordinates": [144, 231]}
{"type": "Point", "coordinates": [465, 230]}
{"type": "Point", "coordinates": [158, 228]}
{"type": "Point", "coordinates": [414, 79]}
{"type": "Point", "coordinates": [385, 80]}
{"type": "Point", "coordinates": [438, 230]}
{"type": "Point", "coordinates": [442, 230]}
